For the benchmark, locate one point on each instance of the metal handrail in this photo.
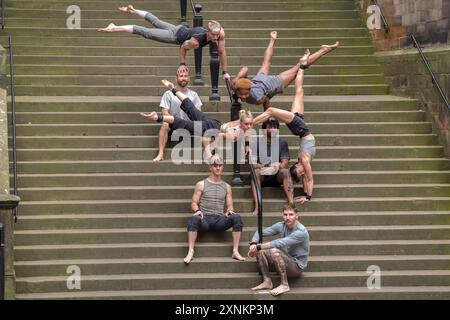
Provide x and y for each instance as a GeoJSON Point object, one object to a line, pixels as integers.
{"type": "Point", "coordinates": [383, 18]}
{"type": "Point", "coordinates": [433, 77]}
{"type": "Point", "coordinates": [13, 120]}
{"type": "Point", "coordinates": [258, 197]}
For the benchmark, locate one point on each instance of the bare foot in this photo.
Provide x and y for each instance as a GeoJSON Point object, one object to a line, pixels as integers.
{"type": "Point", "coordinates": [127, 9]}
{"type": "Point", "coordinates": [169, 85]}
{"type": "Point", "coordinates": [237, 256]}
{"type": "Point", "coordinates": [158, 158]}
{"type": "Point", "coordinates": [304, 60]}
{"type": "Point", "coordinates": [267, 284]}
{"type": "Point", "coordinates": [280, 290]}
{"type": "Point", "coordinates": [331, 47]}
{"type": "Point", "coordinates": [110, 28]}
{"type": "Point", "coordinates": [152, 116]}
{"type": "Point", "coordinates": [189, 257]}
{"type": "Point", "coordinates": [273, 35]}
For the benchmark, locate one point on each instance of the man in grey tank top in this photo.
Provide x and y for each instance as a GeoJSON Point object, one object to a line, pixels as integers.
{"type": "Point", "coordinates": [210, 198]}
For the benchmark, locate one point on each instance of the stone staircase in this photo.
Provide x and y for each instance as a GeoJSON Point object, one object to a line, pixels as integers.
{"type": "Point", "coordinates": [91, 196]}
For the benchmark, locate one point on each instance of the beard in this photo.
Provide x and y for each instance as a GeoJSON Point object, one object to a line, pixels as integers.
{"type": "Point", "coordinates": [183, 84]}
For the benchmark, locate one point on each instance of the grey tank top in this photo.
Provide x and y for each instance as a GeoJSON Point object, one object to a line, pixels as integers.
{"type": "Point", "coordinates": [213, 197]}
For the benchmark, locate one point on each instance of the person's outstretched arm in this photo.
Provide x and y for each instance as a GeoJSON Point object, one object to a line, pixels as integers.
{"type": "Point", "coordinates": [192, 43]}
{"type": "Point", "coordinates": [169, 85]}
{"type": "Point", "coordinates": [243, 73]}
{"type": "Point", "coordinates": [223, 55]}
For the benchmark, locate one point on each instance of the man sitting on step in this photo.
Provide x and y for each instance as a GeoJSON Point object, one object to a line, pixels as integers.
{"type": "Point", "coordinates": [273, 171]}
{"type": "Point", "coordinates": [263, 86]}
{"type": "Point", "coordinates": [208, 203]}
{"type": "Point", "coordinates": [186, 38]}
{"type": "Point", "coordinates": [170, 105]}
{"type": "Point", "coordinates": [287, 256]}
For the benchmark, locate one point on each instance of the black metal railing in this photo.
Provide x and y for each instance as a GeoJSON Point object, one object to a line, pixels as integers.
{"type": "Point", "coordinates": [433, 77]}
{"type": "Point", "coordinates": [258, 194]}
{"type": "Point", "coordinates": [383, 17]}
{"type": "Point", "coordinates": [2, 14]}
{"type": "Point", "coordinates": [13, 120]}
{"type": "Point", "coordinates": [235, 108]}
{"type": "Point", "coordinates": [2, 263]}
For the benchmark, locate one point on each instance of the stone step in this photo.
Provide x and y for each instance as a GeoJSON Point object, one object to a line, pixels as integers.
{"type": "Point", "coordinates": [217, 249]}
{"type": "Point", "coordinates": [332, 59]}
{"type": "Point", "coordinates": [139, 235]}
{"type": "Point", "coordinates": [145, 69]}
{"type": "Point", "coordinates": [240, 205]}
{"type": "Point", "coordinates": [173, 16]}
{"type": "Point", "coordinates": [174, 6]}
{"type": "Point", "coordinates": [45, 142]}
{"type": "Point", "coordinates": [153, 129]}
{"type": "Point", "coordinates": [162, 192]}
{"type": "Point", "coordinates": [147, 166]}
{"type": "Point", "coordinates": [179, 220]}
{"type": "Point", "coordinates": [134, 117]}
{"type": "Point", "coordinates": [304, 293]}
{"type": "Point", "coordinates": [323, 152]}
{"type": "Point", "coordinates": [159, 90]}
{"type": "Point", "coordinates": [137, 104]}
{"type": "Point", "coordinates": [169, 50]}
{"type": "Point", "coordinates": [56, 268]}
{"type": "Point", "coordinates": [230, 32]}
{"type": "Point", "coordinates": [226, 23]}
{"type": "Point", "coordinates": [190, 178]}
{"type": "Point", "coordinates": [129, 80]}
{"type": "Point", "coordinates": [229, 280]}
{"type": "Point", "coordinates": [303, 41]}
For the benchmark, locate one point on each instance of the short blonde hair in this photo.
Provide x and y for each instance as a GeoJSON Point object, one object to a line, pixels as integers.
{"type": "Point", "coordinates": [214, 26]}
{"type": "Point", "coordinates": [244, 114]}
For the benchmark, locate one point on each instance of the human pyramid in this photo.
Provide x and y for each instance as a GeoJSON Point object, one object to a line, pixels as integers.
{"type": "Point", "coordinates": [181, 109]}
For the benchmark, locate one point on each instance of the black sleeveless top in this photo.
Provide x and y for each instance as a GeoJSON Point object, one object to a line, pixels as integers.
{"type": "Point", "coordinates": [199, 33]}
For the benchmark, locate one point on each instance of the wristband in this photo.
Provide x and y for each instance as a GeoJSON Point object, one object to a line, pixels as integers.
{"type": "Point", "coordinates": [258, 247]}
{"type": "Point", "coordinates": [224, 72]}
{"type": "Point", "coordinates": [182, 64]}
{"type": "Point", "coordinates": [160, 118]}
{"type": "Point", "coordinates": [252, 242]}
{"type": "Point", "coordinates": [308, 197]}
{"type": "Point", "coordinates": [304, 67]}
{"type": "Point", "coordinates": [174, 91]}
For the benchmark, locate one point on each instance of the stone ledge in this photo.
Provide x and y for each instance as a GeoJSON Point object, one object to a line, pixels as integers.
{"type": "Point", "coordinates": [8, 201]}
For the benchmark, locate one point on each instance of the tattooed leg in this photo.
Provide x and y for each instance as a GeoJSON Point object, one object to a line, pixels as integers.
{"type": "Point", "coordinates": [278, 257]}
{"type": "Point", "coordinates": [263, 263]}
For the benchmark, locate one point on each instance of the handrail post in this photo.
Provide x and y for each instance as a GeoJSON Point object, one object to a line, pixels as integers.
{"type": "Point", "coordinates": [433, 78]}
{"type": "Point", "coordinates": [198, 22]}
{"type": "Point", "coordinates": [183, 7]}
{"type": "Point", "coordinates": [214, 69]}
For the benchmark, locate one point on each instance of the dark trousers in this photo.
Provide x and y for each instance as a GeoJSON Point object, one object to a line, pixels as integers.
{"type": "Point", "coordinates": [215, 222]}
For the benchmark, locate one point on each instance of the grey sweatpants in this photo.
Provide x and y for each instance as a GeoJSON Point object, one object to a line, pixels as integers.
{"type": "Point", "coordinates": [163, 31]}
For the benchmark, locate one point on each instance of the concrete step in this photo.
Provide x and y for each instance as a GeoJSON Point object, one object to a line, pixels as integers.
{"type": "Point", "coordinates": [207, 5]}
{"type": "Point", "coordinates": [173, 16]}
{"type": "Point", "coordinates": [169, 50]}
{"type": "Point", "coordinates": [134, 117]}
{"type": "Point", "coordinates": [217, 249]}
{"type": "Point", "coordinates": [323, 152]}
{"type": "Point", "coordinates": [147, 166]}
{"type": "Point", "coordinates": [190, 178]}
{"type": "Point", "coordinates": [151, 141]}
{"type": "Point", "coordinates": [240, 205]}
{"type": "Point", "coordinates": [179, 220]}
{"type": "Point", "coordinates": [230, 281]}
{"type": "Point", "coordinates": [54, 268]}
{"type": "Point", "coordinates": [105, 40]}
{"type": "Point", "coordinates": [304, 293]}
{"type": "Point", "coordinates": [138, 104]}
{"type": "Point", "coordinates": [91, 80]}
{"type": "Point", "coordinates": [139, 235]}
{"type": "Point", "coordinates": [161, 192]}
{"type": "Point", "coordinates": [153, 129]}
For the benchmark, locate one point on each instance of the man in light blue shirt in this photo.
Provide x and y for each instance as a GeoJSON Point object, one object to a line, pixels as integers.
{"type": "Point", "coordinates": [288, 255]}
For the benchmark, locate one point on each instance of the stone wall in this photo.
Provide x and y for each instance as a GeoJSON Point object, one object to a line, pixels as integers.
{"type": "Point", "coordinates": [408, 76]}
{"type": "Point", "coordinates": [428, 20]}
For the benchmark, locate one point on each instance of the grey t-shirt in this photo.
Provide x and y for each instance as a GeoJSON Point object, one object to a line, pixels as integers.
{"type": "Point", "coordinates": [264, 85]}
{"type": "Point", "coordinates": [171, 102]}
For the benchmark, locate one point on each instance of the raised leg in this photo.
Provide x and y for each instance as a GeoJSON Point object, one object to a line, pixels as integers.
{"type": "Point", "coordinates": [298, 103]}
{"type": "Point", "coordinates": [113, 28]}
{"type": "Point", "coordinates": [268, 54]}
{"type": "Point", "coordinates": [321, 52]}
{"type": "Point", "coordinates": [271, 112]}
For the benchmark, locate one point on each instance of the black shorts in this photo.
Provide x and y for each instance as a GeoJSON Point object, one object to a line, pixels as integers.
{"type": "Point", "coordinates": [270, 181]}
{"type": "Point", "coordinates": [298, 126]}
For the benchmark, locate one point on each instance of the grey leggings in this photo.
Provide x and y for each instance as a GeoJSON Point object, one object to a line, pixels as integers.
{"type": "Point", "coordinates": [164, 31]}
